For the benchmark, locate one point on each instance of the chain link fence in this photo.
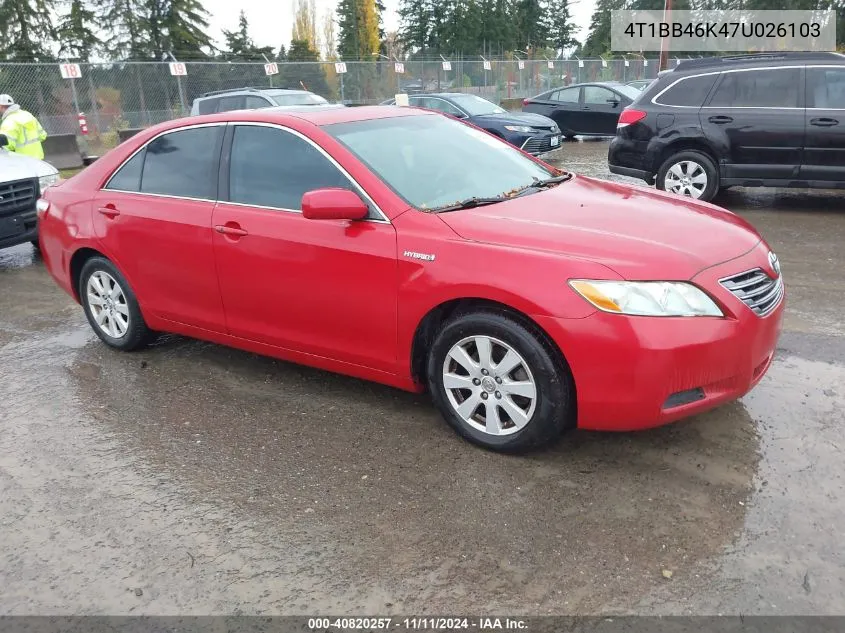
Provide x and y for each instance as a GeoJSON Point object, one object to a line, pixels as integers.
{"type": "Point", "coordinates": [122, 95]}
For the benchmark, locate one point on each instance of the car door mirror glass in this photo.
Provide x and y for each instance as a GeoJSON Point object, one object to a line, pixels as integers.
{"type": "Point", "coordinates": [333, 204]}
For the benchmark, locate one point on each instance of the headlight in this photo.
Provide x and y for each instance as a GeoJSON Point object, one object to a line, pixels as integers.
{"type": "Point", "coordinates": [46, 181]}
{"type": "Point", "coordinates": [647, 298]}
{"type": "Point", "coordinates": [518, 128]}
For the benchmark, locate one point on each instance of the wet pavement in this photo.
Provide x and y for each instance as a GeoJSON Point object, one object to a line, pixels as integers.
{"type": "Point", "coordinates": [196, 479]}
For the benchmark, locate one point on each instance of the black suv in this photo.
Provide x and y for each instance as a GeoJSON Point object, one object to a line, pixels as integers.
{"type": "Point", "coordinates": [763, 120]}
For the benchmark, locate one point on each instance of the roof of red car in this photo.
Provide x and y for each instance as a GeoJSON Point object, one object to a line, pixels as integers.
{"type": "Point", "coordinates": [317, 116]}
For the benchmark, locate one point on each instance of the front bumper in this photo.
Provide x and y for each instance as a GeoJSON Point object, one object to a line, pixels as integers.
{"type": "Point", "coordinates": [536, 144]}
{"type": "Point", "coordinates": [19, 228]}
{"type": "Point", "coordinates": [634, 373]}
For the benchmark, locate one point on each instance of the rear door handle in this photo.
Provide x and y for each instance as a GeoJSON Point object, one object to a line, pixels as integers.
{"type": "Point", "coordinates": [109, 210]}
{"type": "Point", "coordinates": [231, 228]}
{"type": "Point", "coordinates": [720, 119]}
{"type": "Point", "coordinates": [824, 122]}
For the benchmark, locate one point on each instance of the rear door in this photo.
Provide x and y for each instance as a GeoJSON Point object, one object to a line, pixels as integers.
{"type": "Point", "coordinates": [601, 108]}
{"type": "Point", "coordinates": [154, 218]}
{"type": "Point", "coordinates": [756, 119]}
{"type": "Point", "coordinates": [824, 144]}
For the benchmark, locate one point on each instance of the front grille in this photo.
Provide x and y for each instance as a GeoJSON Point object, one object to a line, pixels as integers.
{"type": "Point", "coordinates": [538, 144]}
{"type": "Point", "coordinates": [756, 289]}
{"type": "Point", "coordinates": [18, 196]}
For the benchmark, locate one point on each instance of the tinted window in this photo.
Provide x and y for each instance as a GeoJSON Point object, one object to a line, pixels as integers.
{"type": "Point", "coordinates": [432, 161]}
{"type": "Point", "coordinates": [433, 103]}
{"type": "Point", "coordinates": [596, 95]}
{"type": "Point", "coordinates": [227, 104]}
{"type": "Point", "coordinates": [256, 102]}
{"type": "Point", "coordinates": [691, 91]}
{"type": "Point", "coordinates": [570, 95]}
{"type": "Point", "coordinates": [826, 88]}
{"type": "Point", "coordinates": [297, 98]}
{"type": "Point", "coordinates": [273, 168]}
{"type": "Point", "coordinates": [475, 105]}
{"type": "Point", "coordinates": [208, 106]}
{"type": "Point", "coordinates": [777, 88]}
{"type": "Point", "coordinates": [128, 177]}
{"type": "Point", "coordinates": [183, 163]}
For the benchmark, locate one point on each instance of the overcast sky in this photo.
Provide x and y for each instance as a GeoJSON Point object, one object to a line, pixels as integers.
{"type": "Point", "coordinates": [270, 22]}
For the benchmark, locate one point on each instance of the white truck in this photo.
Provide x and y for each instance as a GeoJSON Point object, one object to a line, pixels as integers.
{"type": "Point", "coordinates": [22, 179]}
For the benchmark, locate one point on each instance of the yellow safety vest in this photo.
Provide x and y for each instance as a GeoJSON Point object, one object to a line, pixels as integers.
{"type": "Point", "coordinates": [24, 132]}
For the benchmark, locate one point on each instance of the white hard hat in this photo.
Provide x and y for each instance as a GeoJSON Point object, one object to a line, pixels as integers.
{"type": "Point", "coordinates": [6, 100]}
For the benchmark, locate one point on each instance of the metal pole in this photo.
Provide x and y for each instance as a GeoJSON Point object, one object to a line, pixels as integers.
{"type": "Point", "coordinates": [342, 98]}
{"type": "Point", "coordinates": [663, 64]}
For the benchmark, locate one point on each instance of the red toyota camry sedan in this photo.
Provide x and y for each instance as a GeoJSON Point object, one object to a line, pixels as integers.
{"type": "Point", "coordinates": [409, 248]}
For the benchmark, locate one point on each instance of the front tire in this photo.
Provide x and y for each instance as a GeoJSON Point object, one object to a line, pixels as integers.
{"type": "Point", "coordinates": [689, 173]}
{"type": "Point", "coordinates": [498, 384]}
{"type": "Point", "coordinates": [111, 306]}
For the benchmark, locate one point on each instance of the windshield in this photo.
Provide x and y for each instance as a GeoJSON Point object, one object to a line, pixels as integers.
{"type": "Point", "coordinates": [298, 98]}
{"type": "Point", "coordinates": [475, 106]}
{"type": "Point", "coordinates": [628, 91]}
{"type": "Point", "coordinates": [433, 161]}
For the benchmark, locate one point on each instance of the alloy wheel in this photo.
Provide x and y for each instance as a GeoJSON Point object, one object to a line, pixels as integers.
{"type": "Point", "coordinates": [687, 178]}
{"type": "Point", "coordinates": [489, 385]}
{"type": "Point", "coordinates": [107, 304]}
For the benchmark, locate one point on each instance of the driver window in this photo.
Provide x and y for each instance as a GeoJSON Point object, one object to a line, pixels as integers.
{"type": "Point", "coordinates": [596, 95]}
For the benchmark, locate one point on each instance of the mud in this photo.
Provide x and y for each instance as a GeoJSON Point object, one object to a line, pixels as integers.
{"type": "Point", "coordinates": [195, 479]}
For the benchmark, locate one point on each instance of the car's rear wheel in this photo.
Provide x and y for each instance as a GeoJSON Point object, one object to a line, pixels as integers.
{"type": "Point", "coordinates": [111, 306]}
{"type": "Point", "coordinates": [498, 384]}
{"type": "Point", "coordinates": [689, 173]}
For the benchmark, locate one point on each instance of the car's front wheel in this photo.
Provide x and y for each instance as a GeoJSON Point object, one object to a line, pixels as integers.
{"type": "Point", "coordinates": [111, 306]}
{"type": "Point", "coordinates": [689, 173]}
{"type": "Point", "coordinates": [498, 384]}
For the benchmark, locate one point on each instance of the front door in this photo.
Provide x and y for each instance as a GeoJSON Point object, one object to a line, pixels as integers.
{"type": "Point", "coordinates": [154, 218]}
{"type": "Point", "coordinates": [757, 118]}
{"type": "Point", "coordinates": [600, 110]}
{"type": "Point", "coordinates": [323, 287]}
{"type": "Point", "coordinates": [824, 141]}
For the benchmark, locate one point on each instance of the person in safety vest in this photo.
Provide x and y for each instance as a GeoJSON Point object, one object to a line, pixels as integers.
{"type": "Point", "coordinates": [23, 131]}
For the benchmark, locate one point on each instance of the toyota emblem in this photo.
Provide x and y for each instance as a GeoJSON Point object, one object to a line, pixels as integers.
{"type": "Point", "coordinates": [774, 263]}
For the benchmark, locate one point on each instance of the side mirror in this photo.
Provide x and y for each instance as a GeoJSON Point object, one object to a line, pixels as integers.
{"type": "Point", "coordinates": [4, 141]}
{"type": "Point", "coordinates": [333, 204]}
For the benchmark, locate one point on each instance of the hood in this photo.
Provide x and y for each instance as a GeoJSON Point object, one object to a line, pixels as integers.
{"type": "Point", "coordinates": [639, 233]}
{"type": "Point", "coordinates": [16, 167]}
{"type": "Point", "coordinates": [517, 118]}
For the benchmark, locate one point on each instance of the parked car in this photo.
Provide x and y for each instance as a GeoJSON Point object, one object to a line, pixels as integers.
{"type": "Point", "coordinates": [762, 120]}
{"type": "Point", "coordinates": [531, 132]}
{"type": "Point", "coordinates": [252, 98]}
{"type": "Point", "coordinates": [22, 178]}
{"type": "Point", "coordinates": [405, 247]}
{"type": "Point", "coordinates": [639, 84]}
{"type": "Point", "coordinates": [584, 109]}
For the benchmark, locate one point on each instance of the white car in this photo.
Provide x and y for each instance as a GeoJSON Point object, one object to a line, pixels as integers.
{"type": "Point", "coordinates": [22, 179]}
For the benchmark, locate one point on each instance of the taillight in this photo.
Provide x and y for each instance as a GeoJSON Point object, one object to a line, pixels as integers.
{"type": "Point", "coordinates": [526, 101]}
{"type": "Point", "coordinates": [630, 116]}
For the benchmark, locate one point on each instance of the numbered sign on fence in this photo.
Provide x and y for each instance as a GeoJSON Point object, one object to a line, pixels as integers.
{"type": "Point", "coordinates": [521, 65]}
{"type": "Point", "coordinates": [399, 67]}
{"type": "Point", "coordinates": [487, 65]}
{"type": "Point", "coordinates": [340, 67]}
{"type": "Point", "coordinates": [551, 65]}
{"type": "Point", "coordinates": [604, 63]}
{"type": "Point", "coordinates": [627, 63]}
{"type": "Point", "coordinates": [447, 65]}
{"type": "Point", "coordinates": [178, 69]}
{"type": "Point", "coordinates": [70, 71]}
{"type": "Point", "coordinates": [580, 63]}
{"type": "Point", "coordinates": [271, 69]}
{"type": "Point", "coordinates": [645, 62]}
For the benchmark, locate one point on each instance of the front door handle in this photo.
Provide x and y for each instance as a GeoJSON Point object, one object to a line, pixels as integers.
{"type": "Point", "coordinates": [824, 122]}
{"type": "Point", "coordinates": [231, 228]}
{"type": "Point", "coordinates": [109, 210]}
{"type": "Point", "coordinates": [720, 119]}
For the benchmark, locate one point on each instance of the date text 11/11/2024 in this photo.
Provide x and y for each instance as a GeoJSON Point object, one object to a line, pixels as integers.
{"type": "Point", "coordinates": [416, 624]}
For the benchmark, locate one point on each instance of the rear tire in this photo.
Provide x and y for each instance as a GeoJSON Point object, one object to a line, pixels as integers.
{"type": "Point", "coordinates": [111, 306]}
{"type": "Point", "coordinates": [689, 173]}
{"type": "Point", "coordinates": [498, 384]}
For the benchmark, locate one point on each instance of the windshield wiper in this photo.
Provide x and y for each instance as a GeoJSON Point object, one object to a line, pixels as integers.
{"type": "Point", "coordinates": [468, 203]}
{"type": "Point", "coordinates": [543, 184]}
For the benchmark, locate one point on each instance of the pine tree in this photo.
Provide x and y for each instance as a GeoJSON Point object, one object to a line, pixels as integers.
{"type": "Point", "coordinates": [27, 30]}
{"type": "Point", "coordinates": [358, 29]}
{"type": "Point", "coordinates": [561, 26]}
{"type": "Point", "coordinates": [598, 39]}
{"type": "Point", "coordinates": [415, 18]}
{"type": "Point", "coordinates": [308, 76]}
{"type": "Point", "coordinates": [77, 40]}
{"type": "Point", "coordinates": [185, 23]}
{"type": "Point", "coordinates": [531, 20]}
{"type": "Point", "coordinates": [240, 46]}
{"type": "Point", "coordinates": [124, 39]}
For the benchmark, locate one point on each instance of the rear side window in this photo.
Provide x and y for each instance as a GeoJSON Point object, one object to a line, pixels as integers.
{"type": "Point", "coordinates": [208, 106]}
{"type": "Point", "coordinates": [759, 88]}
{"type": "Point", "coordinates": [274, 168]}
{"type": "Point", "coordinates": [183, 163]}
{"type": "Point", "coordinates": [128, 177]}
{"type": "Point", "coordinates": [826, 88]}
{"type": "Point", "coordinates": [227, 104]}
{"type": "Point", "coordinates": [570, 95]}
{"type": "Point", "coordinates": [256, 102]}
{"type": "Point", "coordinates": [689, 91]}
